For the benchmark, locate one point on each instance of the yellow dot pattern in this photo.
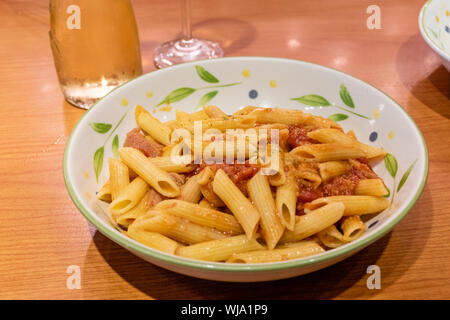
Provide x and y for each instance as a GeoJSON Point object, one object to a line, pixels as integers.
{"type": "Point", "coordinates": [437, 18]}
{"type": "Point", "coordinates": [246, 73]}
{"type": "Point", "coordinates": [85, 174]}
{"type": "Point", "coordinates": [273, 84]}
{"type": "Point", "coordinates": [88, 195]}
{"type": "Point", "coordinates": [124, 102]}
{"type": "Point", "coordinates": [149, 94]}
{"type": "Point", "coordinates": [391, 134]}
{"type": "Point", "coordinates": [376, 114]}
{"type": "Point", "coordinates": [447, 13]}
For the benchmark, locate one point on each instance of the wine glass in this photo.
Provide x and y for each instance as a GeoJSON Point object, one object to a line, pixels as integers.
{"type": "Point", "coordinates": [187, 48]}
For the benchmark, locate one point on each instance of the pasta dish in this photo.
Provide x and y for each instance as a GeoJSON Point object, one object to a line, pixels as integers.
{"type": "Point", "coordinates": [260, 185]}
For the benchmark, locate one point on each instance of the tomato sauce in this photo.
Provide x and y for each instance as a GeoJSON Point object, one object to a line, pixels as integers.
{"type": "Point", "coordinates": [238, 173]}
{"type": "Point", "coordinates": [298, 137]}
{"type": "Point", "coordinates": [346, 183]}
{"type": "Point", "coordinates": [149, 147]}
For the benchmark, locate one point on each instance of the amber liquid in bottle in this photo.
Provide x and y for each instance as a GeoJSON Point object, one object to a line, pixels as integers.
{"type": "Point", "coordinates": [95, 47]}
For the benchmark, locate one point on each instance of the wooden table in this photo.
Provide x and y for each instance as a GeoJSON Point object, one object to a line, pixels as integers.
{"type": "Point", "coordinates": [42, 232]}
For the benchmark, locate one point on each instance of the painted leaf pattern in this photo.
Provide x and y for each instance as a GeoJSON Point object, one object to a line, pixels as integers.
{"type": "Point", "coordinates": [177, 95]}
{"type": "Point", "coordinates": [100, 127]}
{"type": "Point", "coordinates": [115, 146]}
{"type": "Point", "coordinates": [405, 176]}
{"type": "Point", "coordinates": [346, 97]}
{"type": "Point", "coordinates": [205, 75]}
{"type": "Point", "coordinates": [338, 117]}
{"type": "Point", "coordinates": [98, 161]}
{"type": "Point", "coordinates": [313, 100]}
{"type": "Point", "coordinates": [391, 164]}
{"type": "Point", "coordinates": [206, 98]}
{"type": "Point", "coordinates": [388, 194]}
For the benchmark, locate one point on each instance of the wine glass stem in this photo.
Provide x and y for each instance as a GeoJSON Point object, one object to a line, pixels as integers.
{"type": "Point", "coordinates": [186, 19]}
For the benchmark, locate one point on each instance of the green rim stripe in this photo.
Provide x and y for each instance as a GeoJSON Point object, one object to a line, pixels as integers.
{"type": "Point", "coordinates": [214, 266]}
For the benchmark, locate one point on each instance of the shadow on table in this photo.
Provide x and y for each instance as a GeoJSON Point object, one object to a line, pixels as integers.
{"type": "Point", "coordinates": [409, 237]}
{"type": "Point", "coordinates": [414, 62]}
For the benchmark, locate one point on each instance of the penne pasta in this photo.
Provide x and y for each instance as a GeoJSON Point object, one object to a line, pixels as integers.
{"type": "Point", "coordinates": [351, 133]}
{"type": "Point", "coordinates": [172, 125]}
{"type": "Point", "coordinates": [353, 228]}
{"type": "Point", "coordinates": [284, 116]}
{"type": "Point", "coordinates": [330, 135]}
{"type": "Point", "coordinates": [299, 250]}
{"type": "Point", "coordinates": [155, 128]}
{"type": "Point", "coordinates": [153, 239]}
{"type": "Point", "coordinates": [203, 216]}
{"type": "Point", "coordinates": [308, 175]}
{"type": "Point", "coordinates": [232, 194]}
{"type": "Point", "coordinates": [119, 177]}
{"type": "Point", "coordinates": [327, 152]}
{"type": "Point", "coordinates": [179, 229]}
{"type": "Point", "coordinates": [205, 176]}
{"type": "Point", "coordinates": [128, 217]}
{"type": "Point", "coordinates": [353, 204]}
{"type": "Point", "coordinates": [167, 164]}
{"type": "Point", "coordinates": [129, 197]}
{"type": "Point", "coordinates": [279, 178]}
{"type": "Point", "coordinates": [245, 110]}
{"type": "Point", "coordinates": [243, 210]}
{"type": "Point", "coordinates": [261, 196]}
{"type": "Point", "coordinates": [206, 204]}
{"type": "Point", "coordinates": [371, 187]}
{"type": "Point", "coordinates": [286, 202]}
{"type": "Point", "coordinates": [182, 116]}
{"type": "Point", "coordinates": [223, 123]}
{"type": "Point", "coordinates": [220, 250]}
{"type": "Point", "coordinates": [173, 150]}
{"type": "Point", "coordinates": [214, 112]}
{"type": "Point", "coordinates": [292, 117]}
{"type": "Point", "coordinates": [314, 222]}
{"type": "Point", "coordinates": [331, 237]}
{"type": "Point", "coordinates": [190, 191]}
{"type": "Point", "coordinates": [157, 178]}
{"type": "Point", "coordinates": [331, 169]}
{"type": "Point", "coordinates": [209, 194]}
{"type": "Point", "coordinates": [105, 192]}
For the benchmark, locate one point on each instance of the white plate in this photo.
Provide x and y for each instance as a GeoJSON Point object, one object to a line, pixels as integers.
{"type": "Point", "coordinates": [268, 82]}
{"type": "Point", "coordinates": [434, 24]}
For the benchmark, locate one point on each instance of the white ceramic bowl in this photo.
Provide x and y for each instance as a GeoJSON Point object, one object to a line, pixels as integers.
{"type": "Point", "coordinates": [434, 24]}
{"type": "Point", "coordinates": [268, 82]}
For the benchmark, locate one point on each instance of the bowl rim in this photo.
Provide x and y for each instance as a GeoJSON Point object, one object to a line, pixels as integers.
{"type": "Point", "coordinates": [143, 250]}
{"type": "Point", "coordinates": [425, 34]}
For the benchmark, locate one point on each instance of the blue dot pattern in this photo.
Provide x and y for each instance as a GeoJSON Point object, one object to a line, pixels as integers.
{"type": "Point", "coordinates": [373, 223]}
{"type": "Point", "coordinates": [373, 136]}
{"type": "Point", "coordinates": [253, 94]}
{"type": "Point", "coordinates": [447, 29]}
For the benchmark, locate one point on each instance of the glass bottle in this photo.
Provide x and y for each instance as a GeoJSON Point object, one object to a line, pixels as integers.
{"type": "Point", "coordinates": [95, 47]}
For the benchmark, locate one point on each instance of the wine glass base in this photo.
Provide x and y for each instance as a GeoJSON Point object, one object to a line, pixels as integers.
{"type": "Point", "coordinates": [180, 51]}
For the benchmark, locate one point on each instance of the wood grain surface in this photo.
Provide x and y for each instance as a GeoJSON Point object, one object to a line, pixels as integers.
{"type": "Point", "coordinates": [42, 233]}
